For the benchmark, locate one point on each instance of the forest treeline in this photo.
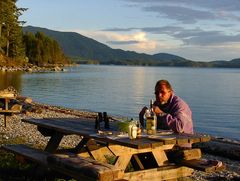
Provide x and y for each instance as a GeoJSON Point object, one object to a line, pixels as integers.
{"type": "Point", "coordinates": [18, 48]}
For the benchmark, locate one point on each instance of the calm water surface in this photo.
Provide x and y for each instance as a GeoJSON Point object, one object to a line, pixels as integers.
{"type": "Point", "coordinates": [213, 94]}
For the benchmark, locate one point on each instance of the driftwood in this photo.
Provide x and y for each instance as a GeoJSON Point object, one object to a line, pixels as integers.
{"type": "Point", "coordinates": [204, 165]}
{"type": "Point", "coordinates": [221, 147]}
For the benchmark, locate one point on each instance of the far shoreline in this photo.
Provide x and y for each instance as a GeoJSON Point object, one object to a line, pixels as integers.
{"type": "Point", "coordinates": [62, 67]}
{"type": "Point", "coordinates": [34, 68]}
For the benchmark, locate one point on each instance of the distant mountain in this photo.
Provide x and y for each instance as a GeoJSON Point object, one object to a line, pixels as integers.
{"type": "Point", "coordinates": [83, 48]}
{"type": "Point", "coordinates": [235, 63]}
{"type": "Point", "coordinates": [168, 57]}
{"type": "Point", "coordinates": [77, 45]}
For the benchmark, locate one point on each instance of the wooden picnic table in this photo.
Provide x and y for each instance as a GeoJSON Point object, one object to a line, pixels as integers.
{"type": "Point", "coordinates": [147, 154]}
{"type": "Point", "coordinates": [5, 109]}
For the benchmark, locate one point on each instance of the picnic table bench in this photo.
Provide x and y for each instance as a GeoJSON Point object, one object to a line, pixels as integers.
{"type": "Point", "coordinates": [69, 164]}
{"type": "Point", "coordinates": [89, 159]}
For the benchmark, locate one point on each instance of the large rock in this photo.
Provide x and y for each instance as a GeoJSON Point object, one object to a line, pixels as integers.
{"type": "Point", "coordinates": [26, 100]}
{"type": "Point", "coordinates": [16, 107]}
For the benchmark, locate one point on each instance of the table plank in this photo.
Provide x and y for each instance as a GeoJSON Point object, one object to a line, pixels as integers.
{"type": "Point", "coordinates": [86, 128]}
{"type": "Point", "coordinates": [161, 173]}
{"type": "Point", "coordinates": [83, 168]}
{"type": "Point", "coordinates": [65, 125]}
{"type": "Point", "coordinates": [30, 153]}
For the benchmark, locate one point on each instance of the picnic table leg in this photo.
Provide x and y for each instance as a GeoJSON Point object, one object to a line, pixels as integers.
{"type": "Point", "coordinates": [98, 152]}
{"type": "Point", "coordinates": [6, 108]}
{"type": "Point", "coordinates": [54, 142]}
{"type": "Point", "coordinates": [123, 161]}
{"type": "Point", "coordinates": [160, 156]}
{"type": "Point", "coordinates": [136, 162]}
{"type": "Point", "coordinates": [5, 121]}
{"type": "Point", "coordinates": [81, 144]}
{"type": "Point", "coordinates": [89, 148]}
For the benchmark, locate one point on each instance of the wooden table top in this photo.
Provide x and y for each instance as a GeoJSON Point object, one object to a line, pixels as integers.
{"type": "Point", "coordinates": [7, 96]}
{"type": "Point", "coordinates": [87, 129]}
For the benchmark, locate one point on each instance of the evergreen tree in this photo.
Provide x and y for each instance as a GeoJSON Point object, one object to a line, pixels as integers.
{"type": "Point", "coordinates": [3, 16]}
{"type": "Point", "coordinates": [10, 29]}
{"type": "Point", "coordinates": [42, 50]}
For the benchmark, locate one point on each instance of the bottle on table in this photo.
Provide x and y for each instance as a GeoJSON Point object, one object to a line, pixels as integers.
{"type": "Point", "coordinates": [151, 120]}
{"type": "Point", "coordinates": [132, 129]}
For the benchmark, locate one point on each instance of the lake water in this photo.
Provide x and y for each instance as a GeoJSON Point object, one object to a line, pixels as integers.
{"type": "Point", "coordinates": [212, 93]}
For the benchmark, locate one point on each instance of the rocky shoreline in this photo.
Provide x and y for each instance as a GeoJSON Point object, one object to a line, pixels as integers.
{"type": "Point", "coordinates": [29, 134]}
{"type": "Point", "coordinates": [33, 68]}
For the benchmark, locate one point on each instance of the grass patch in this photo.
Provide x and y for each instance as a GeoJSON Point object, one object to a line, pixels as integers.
{"type": "Point", "coordinates": [8, 160]}
{"type": "Point", "coordinates": [12, 169]}
{"type": "Point", "coordinates": [112, 159]}
{"type": "Point", "coordinates": [4, 140]}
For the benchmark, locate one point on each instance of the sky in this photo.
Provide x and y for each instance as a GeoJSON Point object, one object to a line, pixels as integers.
{"type": "Point", "coordinates": [198, 30]}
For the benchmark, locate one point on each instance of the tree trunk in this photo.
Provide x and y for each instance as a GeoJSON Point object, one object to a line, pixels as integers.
{"type": "Point", "coordinates": [7, 47]}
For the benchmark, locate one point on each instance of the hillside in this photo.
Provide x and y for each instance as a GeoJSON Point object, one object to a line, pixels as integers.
{"type": "Point", "coordinates": [83, 48]}
{"type": "Point", "coordinates": [77, 45]}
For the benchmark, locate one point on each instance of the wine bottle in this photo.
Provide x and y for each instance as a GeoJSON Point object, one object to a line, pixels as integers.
{"type": "Point", "coordinates": [151, 120]}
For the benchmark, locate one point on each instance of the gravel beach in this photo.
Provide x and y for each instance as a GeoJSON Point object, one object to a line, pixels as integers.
{"type": "Point", "coordinates": [27, 132]}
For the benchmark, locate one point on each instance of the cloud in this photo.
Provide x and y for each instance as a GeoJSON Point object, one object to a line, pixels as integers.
{"type": "Point", "coordinates": [135, 41]}
{"type": "Point", "coordinates": [226, 25]}
{"type": "Point", "coordinates": [201, 37]}
{"type": "Point", "coordinates": [209, 38]}
{"type": "Point", "coordinates": [208, 53]}
{"type": "Point", "coordinates": [182, 14]}
{"type": "Point", "coordinates": [227, 5]}
{"type": "Point", "coordinates": [223, 5]}
{"type": "Point", "coordinates": [191, 11]}
{"type": "Point", "coordinates": [194, 36]}
{"type": "Point", "coordinates": [118, 29]}
{"type": "Point", "coordinates": [123, 42]}
{"type": "Point", "coordinates": [153, 30]}
{"type": "Point", "coordinates": [197, 32]}
{"type": "Point", "coordinates": [195, 44]}
{"type": "Point", "coordinates": [208, 22]}
{"type": "Point", "coordinates": [169, 30]}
